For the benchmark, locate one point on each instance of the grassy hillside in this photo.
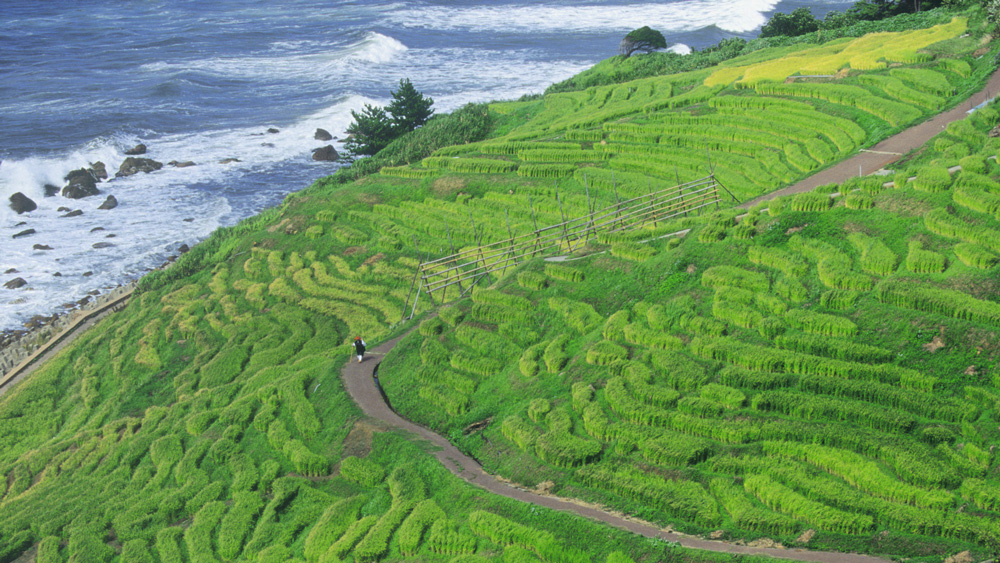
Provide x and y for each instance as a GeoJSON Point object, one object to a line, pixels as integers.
{"type": "Point", "coordinates": [760, 378]}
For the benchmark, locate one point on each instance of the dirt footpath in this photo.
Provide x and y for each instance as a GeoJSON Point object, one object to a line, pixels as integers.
{"type": "Point", "coordinates": [360, 385]}
{"type": "Point", "coordinates": [889, 150]}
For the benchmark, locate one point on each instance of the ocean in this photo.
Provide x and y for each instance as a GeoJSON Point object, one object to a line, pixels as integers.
{"type": "Point", "coordinates": [84, 80]}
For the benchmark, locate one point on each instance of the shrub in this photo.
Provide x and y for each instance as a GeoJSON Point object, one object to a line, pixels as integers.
{"type": "Point", "coordinates": [783, 499]}
{"type": "Point", "coordinates": [975, 256]}
{"type": "Point", "coordinates": [675, 449]}
{"type": "Point", "coordinates": [932, 179]}
{"type": "Point", "coordinates": [577, 314]}
{"type": "Point", "coordinates": [811, 201]}
{"type": "Point", "coordinates": [945, 302]}
{"type": "Point", "coordinates": [532, 280]}
{"type": "Point", "coordinates": [445, 538]}
{"type": "Point", "coordinates": [606, 352]}
{"type": "Point", "coordinates": [876, 257]}
{"type": "Point", "coordinates": [859, 200]}
{"type": "Point", "coordinates": [555, 355]}
{"type": "Point", "coordinates": [362, 471]}
{"type": "Point", "coordinates": [538, 408]}
{"type": "Point", "coordinates": [683, 499]}
{"type": "Point", "coordinates": [922, 261]}
{"type": "Point", "coordinates": [451, 315]}
{"type": "Point", "coordinates": [412, 530]}
{"type": "Point", "coordinates": [565, 273]}
{"type": "Point", "coordinates": [819, 323]}
{"type": "Point", "coordinates": [731, 276]}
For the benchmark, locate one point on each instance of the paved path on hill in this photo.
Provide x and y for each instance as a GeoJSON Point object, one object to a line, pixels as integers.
{"type": "Point", "coordinates": [360, 385]}
{"type": "Point", "coordinates": [888, 151]}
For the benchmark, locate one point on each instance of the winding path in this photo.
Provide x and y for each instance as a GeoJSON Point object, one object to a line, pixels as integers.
{"type": "Point", "coordinates": [360, 385]}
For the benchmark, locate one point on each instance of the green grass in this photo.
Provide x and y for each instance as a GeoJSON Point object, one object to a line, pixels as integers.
{"type": "Point", "coordinates": [208, 421]}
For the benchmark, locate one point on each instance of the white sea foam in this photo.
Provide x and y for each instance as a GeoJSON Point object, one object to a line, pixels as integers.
{"type": "Point", "coordinates": [157, 212]}
{"type": "Point", "coordinates": [737, 16]}
{"type": "Point", "coordinates": [283, 61]}
{"type": "Point", "coordinates": [680, 49]}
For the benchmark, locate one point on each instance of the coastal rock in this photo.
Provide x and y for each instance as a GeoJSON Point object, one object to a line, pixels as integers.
{"type": "Point", "coordinates": [183, 248]}
{"type": "Point", "coordinates": [136, 150]}
{"type": "Point", "coordinates": [95, 229]}
{"type": "Point", "coordinates": [326, 154]}
{"type": "Point", "coordinates": [109, 203]}
{"type": "Point", "coordinates": [228, 160]}
{"type": "Point", "coordinates": [272, 130]}
{"type": "Point", "coordinates": [74, 213]}
{"type": "Point", "coordinates": [80, 183]}
{"type": "Point", "coordinates": [11, 271]}
{"type": "Point", "coordinates": [63, 209]}
{"type": "Point", "coordinates": [21, 223]}
{"type": "Point", "coordinates": [181, 164]}
{"type": "Point", "coordinates": [23, 233]}
{"type": "Point", "coordinates": [267, 145]}
{"type": "Point", "coordinates": [15, 283]}
{"type": "Point", "coordinates": [100, 245]}
{"type": "Point", "coordinates": [57, 275]}
{"type": "Point", "coordinates": [50, 190]}
{"type": "Point", "coordinates": [133, 165]}
{"type": "Point", "coordinates": [41, 247]}
{"type": "Point", "coordinates": [21, 203]}
{"type": "Point", "coordinates": [100, 170]}
{"type": "Point", "coordinates": [322, 135]}
{"type": "Point", "coordinates": [87, 274]}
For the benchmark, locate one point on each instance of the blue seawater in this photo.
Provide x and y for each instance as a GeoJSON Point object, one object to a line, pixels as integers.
{"type": "Point", "coordinates": [84, 80]}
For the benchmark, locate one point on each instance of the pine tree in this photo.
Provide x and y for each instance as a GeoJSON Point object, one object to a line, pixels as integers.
{"type": "Point", "coordinates": [371, 131]}
{"type": "Point", "coordinates": [409, 108]}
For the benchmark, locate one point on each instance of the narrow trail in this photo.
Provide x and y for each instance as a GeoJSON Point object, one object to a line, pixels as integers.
{"type": "Point", "coordinates": [889, 150]}
{"type": "Point", "coordinates": [360, 385]}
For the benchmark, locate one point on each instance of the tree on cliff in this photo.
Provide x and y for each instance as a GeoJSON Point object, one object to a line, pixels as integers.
{"type": "Point", "coordinates": [375, 127]}
{"type": "Point", "coordinates": [799, 22]}
{"type": "Point", "coordinates": [644, 39]}
{"type": "Point", "coordinates": [370, 132]}
{"type": "Point", "coordinates": [409, 108]}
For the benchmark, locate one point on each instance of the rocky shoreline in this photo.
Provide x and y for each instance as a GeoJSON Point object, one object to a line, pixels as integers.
{"type": "Point", "coordinates": [16, 345]}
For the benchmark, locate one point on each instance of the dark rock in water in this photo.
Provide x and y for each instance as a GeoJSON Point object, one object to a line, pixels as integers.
{"type": "Point", "coordinates": [133, 165]}
{"type": "Point", "coordinates": [171, 258]}
{"type": "Point", "coordinates": [110, 236]}
{"type": "Point", "coordinates": [23, 233]}
{"type": "Point", "coordinates": [94, 292]}
{"type": "Point", "coordinates": [189, 220]}
{"type": "Point", "coordinates": [87, 274]}
{"type": "Point", "coordinates": [99, 245]}
{"type": "Point", "coordinates": [11, 271]}
{"type": "Point", "coordinates": [57, 275]}
{"type": "Point", "coordinates": [21, 203]}
{"type": "Point", "coordinates": [50, 190]}
{"type": "Point", "coordinates": [100, 170]}
{"type": "Point", "coordinates": [181, 164]}
{"type": "Point", "coordinates": [267, 145]}
{"type": "Point", "coordinates": [322, 135]}
{"type": "Point", "coordinates": [95, 229]}
{"type": "Point", "coordinates": [183, 248]}
{"type": "Point", "coordinates": [63, 209]}
{"type": "Point", "coordinates": [41, 247]}
{"type": "Point", "coordinates": [326, 154]}
{"type": "Point", "coordinates": [74, 213]}
{"type": "Point", "coordinates": [229, 160]}
{"type": "Point", "coordinates": [136, 150]}
{"type": "Point", "coordinates": [80, 183]}
{"type": "Point", "coordinates": [272, 130]}
{"type": "Point", "coordinates": [21, 223]}
{"type": "Point", "coordinates": [15, 283]}
{"type": "Point", "coordinates": [109, 203]}
{"type": "Point", "coordinates": [38, 321]}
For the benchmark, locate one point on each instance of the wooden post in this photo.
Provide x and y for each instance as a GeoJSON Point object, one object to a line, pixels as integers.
{"type": "Point", "coordinates": [590, 212]}
{"type": "Point", "coordinates": [569, 245]}
{"type": "Point", "coordinates": [534, 221]}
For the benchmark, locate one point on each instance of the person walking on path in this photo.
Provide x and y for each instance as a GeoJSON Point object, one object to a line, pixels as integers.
{"type": "Point", "coordinates": [359, 347]}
